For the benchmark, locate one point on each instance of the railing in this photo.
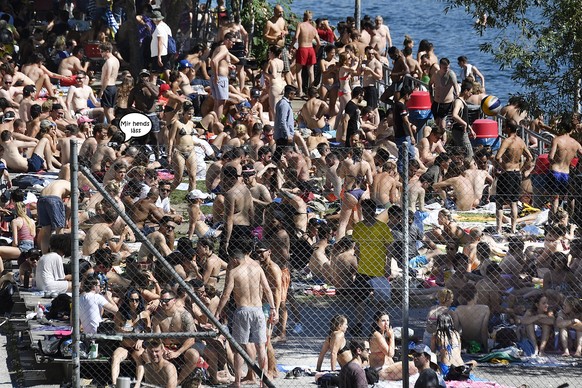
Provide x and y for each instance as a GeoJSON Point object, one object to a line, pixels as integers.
{"type": "Point", "coordinates": [544, 142]}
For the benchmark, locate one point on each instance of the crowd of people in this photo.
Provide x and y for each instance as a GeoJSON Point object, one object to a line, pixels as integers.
{"type": "Point", "coordinates": [314, 192]}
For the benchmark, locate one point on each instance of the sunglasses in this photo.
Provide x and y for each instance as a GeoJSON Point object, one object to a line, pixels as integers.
{"type": "Point", "coordinates": [165, 190]}
{"type": "Point", "coordinates": [166, 301]}
{"type": "Point", "coordinates": [136, 300]}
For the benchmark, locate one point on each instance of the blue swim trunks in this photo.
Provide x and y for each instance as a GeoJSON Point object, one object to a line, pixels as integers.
{"type": "Point", "coordinates": [35, 163]}
{"type": "Point", "coordinates": [558, 182]}
{"type": "Point", "coordinates": [51, 211]}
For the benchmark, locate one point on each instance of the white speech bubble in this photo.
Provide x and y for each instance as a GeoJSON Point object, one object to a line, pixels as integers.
{"type": "Point", "coordinates": [135, 125]}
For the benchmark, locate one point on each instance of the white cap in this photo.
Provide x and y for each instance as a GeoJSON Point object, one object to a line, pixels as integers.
{"type": "Point", "coordinates": [197, 194]}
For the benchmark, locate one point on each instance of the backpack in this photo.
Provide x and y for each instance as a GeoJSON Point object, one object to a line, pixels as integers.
{"type": "Point", "coordinates": [172, 49]}
{"type": "Point", "coordinates": [60, 307]}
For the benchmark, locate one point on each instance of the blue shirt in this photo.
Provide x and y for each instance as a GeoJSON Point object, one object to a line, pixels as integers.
{"type": "Point", "coordinates": [284, 122]}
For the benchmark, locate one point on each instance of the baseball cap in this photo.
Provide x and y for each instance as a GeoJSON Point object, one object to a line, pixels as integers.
{"type": "Point", "coordinates": [47, 124]}
{"type": "Point", "coordinates": [184, 64]}
{"type": "Point", "coordinates": [144, 72]}
{"type": "Point", "coordinates": [84, 119]}
{"type": "Point", "coordinates": [260, 247]}
{"type": "Point", "coordinates": [422, 348]}
{"type": "Point", "coordinates": [164, 88]}
{"type": "Point", "coordinates": [166, 220]}
{"type": "Point", "coordinates": [248, 169]}
{"type": "Point", "coordinates": [244, 104]}
{"type": "Point", "coordinates": [196, 194]}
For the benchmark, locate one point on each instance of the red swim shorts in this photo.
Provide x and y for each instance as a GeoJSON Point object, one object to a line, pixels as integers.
{"type": "Point", "coordinates": [69, 81]}
{"type": "Point", "coordinates": [306, 56]}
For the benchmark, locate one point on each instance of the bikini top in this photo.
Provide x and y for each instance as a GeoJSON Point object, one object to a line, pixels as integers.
{"type": "Point", "coordinates": [183, 132]}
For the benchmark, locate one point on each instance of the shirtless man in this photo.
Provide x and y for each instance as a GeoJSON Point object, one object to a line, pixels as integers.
{"type": "Point", "coordinates": [564, 149]}
{"type": "Point", "coordinates": [319, 263]}
{"type": "Point", "coordinates": [51, 210]}
{"type": "Point", "coordinates": [509, 158]}
{"type": "Point", "coordinates": [246, 280]}
{"type": "Point", "coordinates": [108, 92]}
{"type": "Point", "coordinates": [40, 75]}
{"type": "Point", "coordinates": [15, 162]}
{"type": "Point", "coordinates": [64, 143]}
{"type": "Point", "coordinates": [173, 318]}
{"type": "Point", "coordinates": [444, 86]}
{"type": "Point", "coordinates": [78, 96]}
{"type": "Point", "coordinates": [275, 280]}
{"type": "Point", "coordinates": [472, 318]}
{"type": "Point", "coordinates": [397, 75]}
{"type": "Point", "coordinates": [162, 239]}
{"type": "Point", "coordinates": [431, 146]}
{"type": "Point", "coordinates": [333, 183]}
{"type": "Point", "coordinates": [274, 33]}
{"type": "Point", "coordinates": [27, 101]}
{"type": "Point", "coordinates": [381, 39]}
{"type": "Point", "coordinates": [312, 113]}
{"type": "Point", "coordinates": [260, 193]}
{"type": "Point", "coordinates": [385, 190]}
{"type": "Point", "coordinates": [12, 94]}
{"type": "Point", "coordinates": [100, 136]}
{"type": "Point", "coordinates": [462, 188]}
{"type": "Point", "coordinates": [306, 55]}
{"type": "Point", "coordinates": [145, 209]}
{"type": "Point", "coordinates": [238, 210]}
{"type": "Point", "coordinates": [100, 235]}
{"type": "Point", "coordinates": [221, 63]}
{"type": "Point", "coordinates": [71, 66]}
{"type": "Point", "coordinates": [293, 159]}
{"type": "Point", "coordinates": [479, 178]}
{"type": "Point", "coordinates": [159, 372]}
{"type": "Point", "coordinates": [372, 73]}
{"type": "Point", "coordinates": [413, 65]}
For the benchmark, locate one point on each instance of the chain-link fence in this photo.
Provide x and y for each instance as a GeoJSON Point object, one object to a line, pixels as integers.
{"type": "Point", "coordinates": [314, 259]}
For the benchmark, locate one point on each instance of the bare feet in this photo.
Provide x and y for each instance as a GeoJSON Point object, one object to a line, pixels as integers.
{"type": "Point", "coordinates": [566, 354]}
{"type": "Point", "coordinates": [279, 339]}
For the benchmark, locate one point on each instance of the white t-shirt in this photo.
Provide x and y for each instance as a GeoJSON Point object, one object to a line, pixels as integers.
{"type": "Point", "coordinates": [162, 30]}
{"type": "Point", "coordinates": [50, 273]}
{"type": "Point", "coordinates": [90, 306]}
{"type": "Point", "coordinates": [164, 204]}
{"type": "Point", "coordinates": [202, 150]}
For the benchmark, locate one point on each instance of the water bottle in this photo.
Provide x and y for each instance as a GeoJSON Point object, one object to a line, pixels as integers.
{"type": "Point", "coordinates": [39, 311]}
{"type": "Point", "coordinates": [93, 350]}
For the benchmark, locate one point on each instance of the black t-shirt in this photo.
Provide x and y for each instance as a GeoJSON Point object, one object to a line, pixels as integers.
{"type": "Point", "coordinates": [428, 379]}
{"type": "Point", "coordinates": [353, 111]}
{"type": "Point", "coordinates": [352, 375]}
{"type": "Point", "coordinates": [400, 112]}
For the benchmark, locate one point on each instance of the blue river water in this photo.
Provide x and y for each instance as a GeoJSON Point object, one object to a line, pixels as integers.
{"type": "Point", "coordinates": [452, 34]}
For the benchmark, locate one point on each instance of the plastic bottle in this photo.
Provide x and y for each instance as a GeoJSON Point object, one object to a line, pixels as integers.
{"type": "Point", "coordinates": [93, 350]}
{"type": "Point", "coordinates": [39, 311]}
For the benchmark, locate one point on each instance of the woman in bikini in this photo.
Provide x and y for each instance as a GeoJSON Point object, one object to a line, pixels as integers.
{"type": "Point", "coordinates": [182, 140]}
{"type": "Point", "coordinates": [210, 265]}
{"type": "Point", "coordinates": [348, 65]}
{"type": "Point", "coordinates": [382, 348]}
{"type": "Point", "coordinates": [446, 342]}
{"type": "Point", "coordinates": [273, 74]}
{"type": "Point", "coordinates": [134, 318]}
{"type": "Point", "coordinates": [329, 80]}
{"type": "Point", "coordinates": [335, 343]}
{"type": "Point", "coordinates": [538, 315]}
{"type": "Point", "coordinates": [357, 176]}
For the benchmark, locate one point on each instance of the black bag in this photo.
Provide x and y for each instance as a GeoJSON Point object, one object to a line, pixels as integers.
{"type": "Point", "coordinates": [372, 376]}
{"type": "Point", "coordinates": [6, 302]}
{"type": "Point", "coordinates": [328, 380]}
{"type": "Point", "coordinates": [60, 307]}
{"type": "Point", "coordinates": [459, 373]}
{"type": "Point", "coordinates": [505, 337]}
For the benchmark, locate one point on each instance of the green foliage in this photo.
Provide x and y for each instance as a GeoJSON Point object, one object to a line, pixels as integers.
{"type": "Point", "coordinates": [540, 41]}
{"type": "Point", "coordinates": [254, 16]}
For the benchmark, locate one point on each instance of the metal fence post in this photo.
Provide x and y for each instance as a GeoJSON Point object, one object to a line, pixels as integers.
{"type": "Point", "coordinates": [405, 291]}
{"type": "Point", "coordinates": [75, 253]}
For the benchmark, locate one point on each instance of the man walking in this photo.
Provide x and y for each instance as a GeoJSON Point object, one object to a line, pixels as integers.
{"type": "Point", "coordinates": [306, 55]}
{"type": "Point", "coordinates": [284, 122]}
{"type": "Point", "coordinates": [246, 279]}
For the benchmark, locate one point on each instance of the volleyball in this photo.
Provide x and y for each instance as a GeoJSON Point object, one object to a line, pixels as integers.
{"type": "Point", "coordinates": [490, 105]}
